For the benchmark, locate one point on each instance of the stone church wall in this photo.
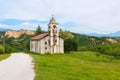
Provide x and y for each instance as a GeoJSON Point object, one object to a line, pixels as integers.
{"type": "Point", "coordinates": [61, 42]}
{"type": "Point", "coordinates": [45, 48]}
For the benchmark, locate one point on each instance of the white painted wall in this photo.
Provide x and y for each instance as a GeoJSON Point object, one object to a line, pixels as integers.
{"type": "Point", "coordinates": [40, 46]}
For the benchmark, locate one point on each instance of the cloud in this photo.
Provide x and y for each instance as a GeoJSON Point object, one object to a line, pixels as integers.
{"type": "Point", "coordinates": [24, 25]}
{"type": "Point", "coordinates": [82, 16]}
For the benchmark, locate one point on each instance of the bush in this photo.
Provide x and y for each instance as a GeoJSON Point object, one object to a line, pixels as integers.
{"type": "Point", "coordinates": [110, 49]}
{"type": "Point", "coordinates": [9, 49]}
{"type": "Point", "coordinates": [86, 48]}
{"type": "Point", "coordinates": [1, 49]}
{"type": "Point", "coordinates": [70, 45]}
{"type": "Point", "coordinates": [82, 48]}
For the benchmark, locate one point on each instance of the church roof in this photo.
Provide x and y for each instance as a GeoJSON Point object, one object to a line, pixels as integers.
{"type": "Point", "coordinates": [52, 21]}
{"type": "Point", "coordinates": [40, 36]}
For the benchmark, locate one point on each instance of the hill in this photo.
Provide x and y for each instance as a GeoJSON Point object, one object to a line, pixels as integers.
{"type": "Point", "coordinates": [115, 34]}
{"type": "Point", "coordinates": [104, 45]}
{"type": "Point", "coordinates": [3, 29]}
{"type": "Point", "coordinates": [2, 33]}
{"type": "Point", "coordinates": [76, 66]}
{"type": "Point", "coordinates": [84, 40]}
{"type": "Point", "coordinates": [16, 34]}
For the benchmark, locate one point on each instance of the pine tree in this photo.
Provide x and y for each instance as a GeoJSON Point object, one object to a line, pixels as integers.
{"type": "Point", "coordinates": [38, 30]}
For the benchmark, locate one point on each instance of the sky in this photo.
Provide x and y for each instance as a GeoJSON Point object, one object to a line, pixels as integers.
{"type": "Point", "coordinates": [80, 16]}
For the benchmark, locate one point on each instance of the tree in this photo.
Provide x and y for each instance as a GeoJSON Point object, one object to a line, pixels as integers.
{"type": "Point", "coordinates": [70, 45]}
{"type": "Point", "coordinates": [23, 42]}
{"type": "Point", "coordinates": [38, 30]}
{"type": "Point", "coordinates": [1, 49]}
{"type": "Point", "coordinates": [66, 34]}
{"type": "Point", "coordinates": [112, 49]}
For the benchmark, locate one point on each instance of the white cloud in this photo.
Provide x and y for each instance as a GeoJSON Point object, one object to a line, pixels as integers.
{"type": "Point", "coordinates": [26, 26]}
{"type": "Point", "coordinates": [101, 16]}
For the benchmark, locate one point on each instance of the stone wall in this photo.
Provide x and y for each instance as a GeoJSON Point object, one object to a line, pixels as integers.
{"type": "Point", "coordinates": [42, 46]}
{"type": "Point", "coordinates": [16, 34]}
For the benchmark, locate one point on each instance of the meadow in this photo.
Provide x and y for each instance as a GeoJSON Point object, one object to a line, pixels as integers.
{"type": "Point", "coordinates": [84, 65]}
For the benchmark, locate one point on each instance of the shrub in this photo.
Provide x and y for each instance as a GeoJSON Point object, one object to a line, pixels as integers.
{"type": "Point", "coordinates": [86, 48]}
{"type": "Point", "coordinates": [70, 45]}
{"type": "Point", "coordinates": [1, 49]}
{"type": "Point", "coordinates": [9, 49]}
{"type": "Point", "coordinates": [110, 49]}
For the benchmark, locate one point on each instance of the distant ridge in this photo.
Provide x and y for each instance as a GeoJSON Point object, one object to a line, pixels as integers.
{"type": "Point", "coordinates": [3, 29]}
{"type": "Point", "coordinates": [96, 34]}
{"type": "Point", "coordinates": [115, 34]}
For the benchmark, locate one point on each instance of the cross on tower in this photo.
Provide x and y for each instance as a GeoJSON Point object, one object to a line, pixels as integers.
{"type": "Point", "coordinates": [52, 15]}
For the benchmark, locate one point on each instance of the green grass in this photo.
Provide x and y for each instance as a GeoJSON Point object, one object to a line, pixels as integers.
{"type": "Point", "coordinates": [4, 56]}
{"type": "Point", "coordinates": [76, 66]}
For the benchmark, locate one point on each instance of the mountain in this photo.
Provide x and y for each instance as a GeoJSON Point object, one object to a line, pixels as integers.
{"type": "Point", "coordinates": [115, 34]}
{"type": "Point", "coordinates": [16, 34]}
{"type": "Point", "coordinates": [96, 34]}
{"type": "Point", "coordinates": [3, 29]}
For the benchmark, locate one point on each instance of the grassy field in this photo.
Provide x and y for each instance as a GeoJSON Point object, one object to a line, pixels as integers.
{"type": "Point", "coordinates": [76, 66]}
{"type": "Point", "coordinates": [3, 56]}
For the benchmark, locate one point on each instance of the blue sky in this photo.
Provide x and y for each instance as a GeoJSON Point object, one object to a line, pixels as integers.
{"type": "Point", "coordinates": [81, 16]}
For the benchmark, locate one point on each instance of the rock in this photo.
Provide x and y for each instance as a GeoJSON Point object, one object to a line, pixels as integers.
{"type": "Point", "coordinates": [16, 34]}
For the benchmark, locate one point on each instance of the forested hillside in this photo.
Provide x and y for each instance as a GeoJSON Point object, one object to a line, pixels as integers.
{"type": "Point", "coordinates": [73, 42]}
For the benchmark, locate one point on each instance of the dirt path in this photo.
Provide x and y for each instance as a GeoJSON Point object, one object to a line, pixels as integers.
{"type": "Point", "coordinates": [17, 67]}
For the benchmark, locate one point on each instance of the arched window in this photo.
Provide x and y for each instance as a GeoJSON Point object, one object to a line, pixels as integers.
{"type": "Point", "coordinates": [49, 42]}
{"type": "Point", "coordinates": [45, 42]}
{"type": "Point", "coordinates": [53, 30]}
{"type": "Point", "coordinates": [55, 40]}
{"type": "Point", "coordinates": [48, 26]}
{"type": "Point", "coordinates": [46, 48]}
{"type": "Point", "coordinates": [49, 32]}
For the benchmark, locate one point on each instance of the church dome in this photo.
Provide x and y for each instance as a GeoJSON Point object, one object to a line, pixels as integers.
{"type": "Point", "coordinates": [52, 21]}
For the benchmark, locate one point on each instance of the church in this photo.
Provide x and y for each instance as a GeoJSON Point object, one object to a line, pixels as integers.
{"type": "Point", "coordinates": [48, 43]}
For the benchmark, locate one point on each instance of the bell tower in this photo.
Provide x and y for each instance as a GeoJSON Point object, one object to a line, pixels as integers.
{"type": "Point", "coordinates": [53, 31]}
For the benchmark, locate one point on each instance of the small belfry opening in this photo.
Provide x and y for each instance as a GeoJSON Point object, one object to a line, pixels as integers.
{"type": "Point", "coordinates": [54, 26]}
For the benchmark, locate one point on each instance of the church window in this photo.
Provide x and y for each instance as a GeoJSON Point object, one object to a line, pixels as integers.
{"type": "Point", "coordinates": [45, 42]}
{"type": "Point", "coordinates": [49, 32]}
{"type": "Point", "coordinates": [49, 42]}
{"type": "Point", "coordinates": [55, 40]}
{"type": "Point", "coordinates": [46, 48]}
{"type": "Point", "coordinates": [53, 30]}
{"type": "Point", "coordinates": [49, 26]}
{"type": "Point", "coordinates": [54, 35]}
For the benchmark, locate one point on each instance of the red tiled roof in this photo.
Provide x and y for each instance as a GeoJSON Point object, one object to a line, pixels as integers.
{"type": "Point", "coordinates": [38, 37]}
